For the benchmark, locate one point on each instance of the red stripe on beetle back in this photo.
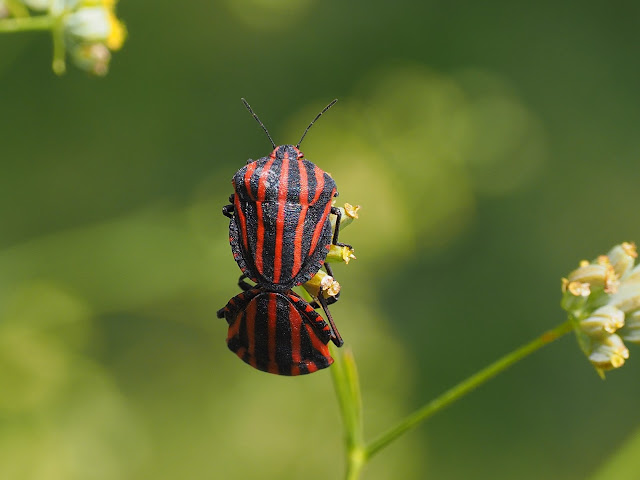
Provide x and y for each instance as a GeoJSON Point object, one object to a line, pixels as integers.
{"type": "Point", "coordinates": [251, 331]}
{"type": "Point", "coordinates": [296, 355]}
{"type": "Point", "coordinates": [319, 183]}
{"type": "Point", "coordinates": [234, 329]}
{"type": "Point", "coordinates": [319, 227]}
{"type": "Point", "coordinates": [304, 184]}
{"type": "Point", "coordinates": [259, 238]}
{"type": "Point", "coordinates": [240, 352]}
{"type": "Point", "coordinates": [272, 312]}
{"type": "Point", "coordinates": [317, 344]}
{"type": "Point", "coordinates": [304, 202]}
{"type": "Point", "coordinates": [262, 181]}
{"type": "Point", "coordinates": [262, 185]}
{"type": "Point", "coordinates": [282, 200]}
{"type": "Point", "coordinates": [311, 366]}
{"type": "Point", "coordinates": [242, 221]}
{"type": "Point", "coordinates": [247, 179]}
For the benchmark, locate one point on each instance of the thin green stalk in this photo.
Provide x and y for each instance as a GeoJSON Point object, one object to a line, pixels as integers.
{"type": "Point", "coordinates": [58, 63]}
{"type": "Point", "coordinates": [26, 24]}
{"type": "Point", "coordinates": [347, 387]}
{"type": "Point", "coordinates": [464, 387]}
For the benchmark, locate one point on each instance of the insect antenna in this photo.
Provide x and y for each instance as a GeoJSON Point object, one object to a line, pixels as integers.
{"type": "Point", "coordinates": [314, 120]}
{"type": "Point", "coordinates": [262, 124]}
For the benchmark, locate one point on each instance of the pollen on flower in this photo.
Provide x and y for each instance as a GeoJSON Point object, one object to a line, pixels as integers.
{"type": "Point", "coordinates": [330, 286]}
{"type": "Point", "coordinates": [611, 281]}
{"type": "Point", "coordinates": [577, 289]}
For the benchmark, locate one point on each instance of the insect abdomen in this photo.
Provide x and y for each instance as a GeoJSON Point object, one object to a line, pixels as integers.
{"type": "Point", "coordinates": [277, 333]}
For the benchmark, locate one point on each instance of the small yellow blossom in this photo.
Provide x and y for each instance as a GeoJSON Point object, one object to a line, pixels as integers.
{"type": "Point", "coordinates": [322, 282]}
{"type": "Point", "coordinates": [351, 210]}
{"type": "Point", "coordinates": [349, 213]}
{"type": "Point", "coordinates": [340, 254]}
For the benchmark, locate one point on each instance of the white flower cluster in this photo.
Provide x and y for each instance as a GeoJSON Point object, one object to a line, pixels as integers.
{"type": "Point", "coordinates": [602, 298]}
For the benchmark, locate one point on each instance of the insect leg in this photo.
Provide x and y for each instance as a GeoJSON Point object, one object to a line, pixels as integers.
{"type": "Point", "coordinates": [335, 335]}
{"type": "Point", "coordinates": [227, 210]}
{"type": "Point", "coordinates": [336, 211]}
{"type": "Point", "coordinates": [244, 285]}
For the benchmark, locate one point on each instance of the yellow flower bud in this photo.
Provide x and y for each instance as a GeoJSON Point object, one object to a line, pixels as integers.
{"type": "Point", "coordinates": [322, 282]}
{"type": "Point", "coordinates": [349, 214]}
{"type": "Point", "coordinates": [351, 211]}
{"type": "Point", "coordinates": [340, 254]}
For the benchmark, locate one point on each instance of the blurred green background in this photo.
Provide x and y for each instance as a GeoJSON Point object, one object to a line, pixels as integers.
{"type": "Point", "coordinates": [492, 145]}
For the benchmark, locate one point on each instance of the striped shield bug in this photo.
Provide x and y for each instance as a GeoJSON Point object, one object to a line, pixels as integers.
{"type": "Point", "coordinates": [280, 227]}
{"type": "Point", "coordinates": [277, 332]}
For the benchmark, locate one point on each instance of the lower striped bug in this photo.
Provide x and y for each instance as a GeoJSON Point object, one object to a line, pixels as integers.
{"type": "Point", "coordinates": [277, 332]}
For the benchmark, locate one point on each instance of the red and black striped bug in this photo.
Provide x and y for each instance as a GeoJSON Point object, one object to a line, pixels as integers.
{"type": "Point", "coordinates": [280, 230]}
{"type": "Point", "coordinates": [277, 332]}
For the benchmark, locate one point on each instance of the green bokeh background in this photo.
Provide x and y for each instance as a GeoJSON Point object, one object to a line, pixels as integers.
{"type": "Point", "coordinates": [492, 145]}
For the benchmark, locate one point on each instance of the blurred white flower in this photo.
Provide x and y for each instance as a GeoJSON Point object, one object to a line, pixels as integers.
{"type": "Point", "coordinates": [92, 32]}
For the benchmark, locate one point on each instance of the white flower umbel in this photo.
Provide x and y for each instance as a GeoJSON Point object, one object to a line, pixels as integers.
{"type": "Point", "coordinates": [602, 298]}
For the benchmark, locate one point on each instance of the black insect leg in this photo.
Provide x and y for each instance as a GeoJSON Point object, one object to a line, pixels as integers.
{"type": "Point", "coordinates": [335, 335]}
{"type": "Point", "coordinates": [338, 213]}
{"type": "Point", "coordinates": [244, 285]}
{"type": "Point", "coordinates": [330, 301]}
{"type": "Point", "coordinates": [228, 210]}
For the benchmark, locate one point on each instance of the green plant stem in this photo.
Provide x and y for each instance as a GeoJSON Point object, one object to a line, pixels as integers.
{"type": "Point", "coordinates": [347, 386]}
{"type": "Point", "coordinates": [26, 24]}
{"type": "Point", "coordinates": [356, 459]}
{"type": "Point", "coordinates": [58, 63]}
{"type": "Point", "coordinates": [464, 387]}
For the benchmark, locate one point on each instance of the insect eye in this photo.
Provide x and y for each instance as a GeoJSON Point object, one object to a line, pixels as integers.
{"type": "Point", "coordinates": [300, 155]}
